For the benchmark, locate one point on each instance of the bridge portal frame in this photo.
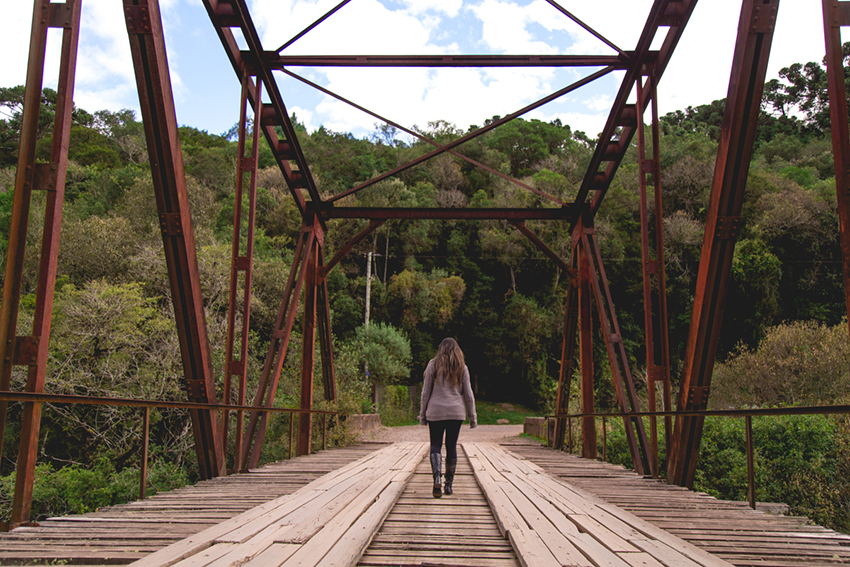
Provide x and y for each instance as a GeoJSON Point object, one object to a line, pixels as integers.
{"type": "Point", "coordinates": [254, 68]}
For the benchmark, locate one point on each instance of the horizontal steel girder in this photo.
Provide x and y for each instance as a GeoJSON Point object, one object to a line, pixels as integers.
{"type": "Point", "coordinates": [275, 61]}
{"type": "Point", "coordinates": [561, 213]}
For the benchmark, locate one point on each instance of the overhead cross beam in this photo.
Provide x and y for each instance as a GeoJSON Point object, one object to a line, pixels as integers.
{"type": "Point", "coordinates": [479, 61]}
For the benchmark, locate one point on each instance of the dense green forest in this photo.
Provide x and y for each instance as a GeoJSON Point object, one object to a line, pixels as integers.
{"type": "Point", "coordinates": [483, 282]}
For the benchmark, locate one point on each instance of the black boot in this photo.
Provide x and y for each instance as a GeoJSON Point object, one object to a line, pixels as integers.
{"type": "Point", "coordinates": [451, 466]}
{"type": "Point", "coordinates": [436, 465]}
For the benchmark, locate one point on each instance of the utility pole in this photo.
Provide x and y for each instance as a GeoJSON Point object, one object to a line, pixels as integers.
{"type": "Point", "coordinates": [368, 286]}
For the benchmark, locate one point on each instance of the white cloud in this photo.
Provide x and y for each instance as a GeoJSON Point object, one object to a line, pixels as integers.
{"type": "Point", "coordinates": [14, 42]}
{"type": "Point", "coordinates": [362, 27]}
{"type": "Point", "coordinates": [505, 28]}
{"type": "Point", "coordinates": [698, 73]}
{"type": "Point", "coordinates": [599, 102]}
{"type": "Point", "coordinates": [590, 124]}
{"type": "Point", "coordinates": [449, 7]}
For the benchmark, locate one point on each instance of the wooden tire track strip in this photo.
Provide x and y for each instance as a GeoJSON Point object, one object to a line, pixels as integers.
{"type": "Point", "coordinates": [123, 533]}
{"type": "Point", "coordinates": [329, 521]}
{"type": "Point", "coordinates": [730, 530]}
{"type": "Point", "coordinates": [550, 523]}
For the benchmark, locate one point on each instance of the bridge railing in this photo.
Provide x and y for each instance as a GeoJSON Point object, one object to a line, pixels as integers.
{"type": "Point", "coordinates": [746, 414]}
{"type": "Point", "coordinates": [147, 405]}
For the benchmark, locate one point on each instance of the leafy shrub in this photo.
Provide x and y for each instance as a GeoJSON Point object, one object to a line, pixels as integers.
{"type": "Point", "coordinates": [803, 362]}
{"type": "Point", "coordinates": [802, 461]}
{"type": "Point", "coordinates": [799, 460]}
{"type": "Point", "coordinates": [77, 490]}
{"type": "Point", "coordinates": [395, 407]}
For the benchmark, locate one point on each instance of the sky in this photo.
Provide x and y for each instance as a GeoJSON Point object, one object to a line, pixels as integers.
{"type": "Point", "coordinates": [206, 89]}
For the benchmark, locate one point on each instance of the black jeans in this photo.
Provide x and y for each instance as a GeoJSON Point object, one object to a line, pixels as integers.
{"type": "Point", "coordinates": [452, 430]}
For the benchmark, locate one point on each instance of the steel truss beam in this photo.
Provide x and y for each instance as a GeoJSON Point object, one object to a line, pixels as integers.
{"type": "Point", "coordinates": [307, 272]}
{"type": "Point", "coordinates": [615, 140]}
{"type": "Point", "coordinates": [665, 16]}
{"type": "Point", "coordinates": [31, 350]}
{"type": "Point", "coordinates": [654, 279]}
{"type": "Point", "coordinates": [267, 388]}
{"type": "Point", "coordinates": [743, 102]}
{"type": "Point", "coordinates": [588, 406]}
{"type": "Point", "coordinates": [568, 352]}
{"type": "Point", "coordinates": [378, 213]}
{"type": "Point", "coordinates": [147, 45]}
{"type": "Point", "coordinates": [236, 363]}
{"type": "Point", "coordinates": [228, 14]}
{"type": "Point", "coordinates": [835, 16]}
{"type": "Point", "coordinates": [617, 357]}
{"type": "Point", "coordinates": [278, 62]}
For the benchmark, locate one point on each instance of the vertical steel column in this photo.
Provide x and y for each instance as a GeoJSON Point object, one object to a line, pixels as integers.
{"type": "Point", "coordinates": [568, 354]}
{"type": "Point", "coordinates": [147, 45]}
{"type": "Point", "coordinates": [31, 351]}
{"type": "Point", "coordinates": [743, 102]}
{"type": "Point", "coordinates": [654, 281]}
{"type": "Point", "coordinates": [835, 15]}
{"type": "Point", "coordinates": [256, 431]}
{"type": "Point", "coordinates": [620, 371]}
{"type": "Point", "coordinates": [325, 338]}
{"type": "Point", "coordinates": [308, 346]}
{"type": "Point", "coordinates": [240, 263]}
{"type": "Point", "coordinates": [588, 422]}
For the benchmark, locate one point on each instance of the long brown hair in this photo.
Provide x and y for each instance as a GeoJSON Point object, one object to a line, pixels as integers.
{"type": "Point", "coordinates": [449, 362]}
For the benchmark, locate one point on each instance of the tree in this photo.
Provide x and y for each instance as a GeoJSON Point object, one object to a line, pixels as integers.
{"type": "Point", "coordinates": [386, 352]}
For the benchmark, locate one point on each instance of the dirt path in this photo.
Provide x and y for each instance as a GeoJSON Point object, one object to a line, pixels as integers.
{"type": "Point", "coordinates": [494, 433]}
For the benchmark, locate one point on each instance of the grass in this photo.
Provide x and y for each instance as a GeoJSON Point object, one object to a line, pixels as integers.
{"type": "Point", "coordinates": [490, 412]}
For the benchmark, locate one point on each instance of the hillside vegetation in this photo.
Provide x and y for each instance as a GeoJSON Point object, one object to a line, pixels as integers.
{"type": "Point", "coordinates": [483, 282]}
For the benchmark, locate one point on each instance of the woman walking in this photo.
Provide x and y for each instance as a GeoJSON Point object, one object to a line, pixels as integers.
{"type": "Point", "coordinates": [446, 401]}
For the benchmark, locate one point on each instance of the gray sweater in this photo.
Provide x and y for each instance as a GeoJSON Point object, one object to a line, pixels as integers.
{"type": "Point", "coordinates": [442, 401]}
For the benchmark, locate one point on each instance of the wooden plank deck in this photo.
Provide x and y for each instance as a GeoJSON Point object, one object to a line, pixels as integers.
{"type": "Point", "coordinates": [329, 521]}
{"type": "Point", "coordinates": [453, 531]}
{"type": "Point", "coordinates": [551, 523]}
{"type": "Point", "coordinates": [730, 530]}
{"type": "Point", "coordinates": [122, 534]}
{"type": "Point", "coordinates": [344, 499]}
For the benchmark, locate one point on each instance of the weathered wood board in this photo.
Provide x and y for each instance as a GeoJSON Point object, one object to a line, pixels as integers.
{"type": "Point", "coordinates": [729, 530]}
{"type": "Point", "coordinates": [551, 523]}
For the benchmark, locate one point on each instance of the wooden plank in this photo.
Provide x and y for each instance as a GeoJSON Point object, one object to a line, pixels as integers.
{"type": "Point", "coordinates": [198, 542]}
{"type": "Point", "coordinates": [729, 530]}
{"type": "Point", "coordinates": [326, 508]}
{"type": "Point", "coordinates": [513, 510]}
{"type": "Point", "coordinates": [596, 533]}
{"type": "Point", "coordinates": [347, 550]}
{"type": "Point", "coordinates": [640, 560]}
{"type": "Point", "coordinates": [453, 530]}
{"type": "Point", "coordinates": [245, 552]}
{"type": "Point", "coordinates": [274, 555]}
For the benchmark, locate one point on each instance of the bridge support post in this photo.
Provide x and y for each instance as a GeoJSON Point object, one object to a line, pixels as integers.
{"type": "Point", "coordinates": [308, 346]}
{"type": "Point", "coordinates": [654, 280]}
{"type": "Point", "coordinates": [610, 326]}
{"type": "Point", "coordinates": [588, 422]}
{"type": "Point", "coordinates": [835, 15]}
{"type": "Point", "coordinates": [743, 102]}
{"type": "Point", "coordinates": [235, 363]}
{"type": "Point", "coordinates": [147, 46]}
{"type": "Point", "coordinates": [568, 353]}
{"type": "Point", "coordinates": [256, 430]}
{"type": "Point", "coordinates": [31, 351]}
